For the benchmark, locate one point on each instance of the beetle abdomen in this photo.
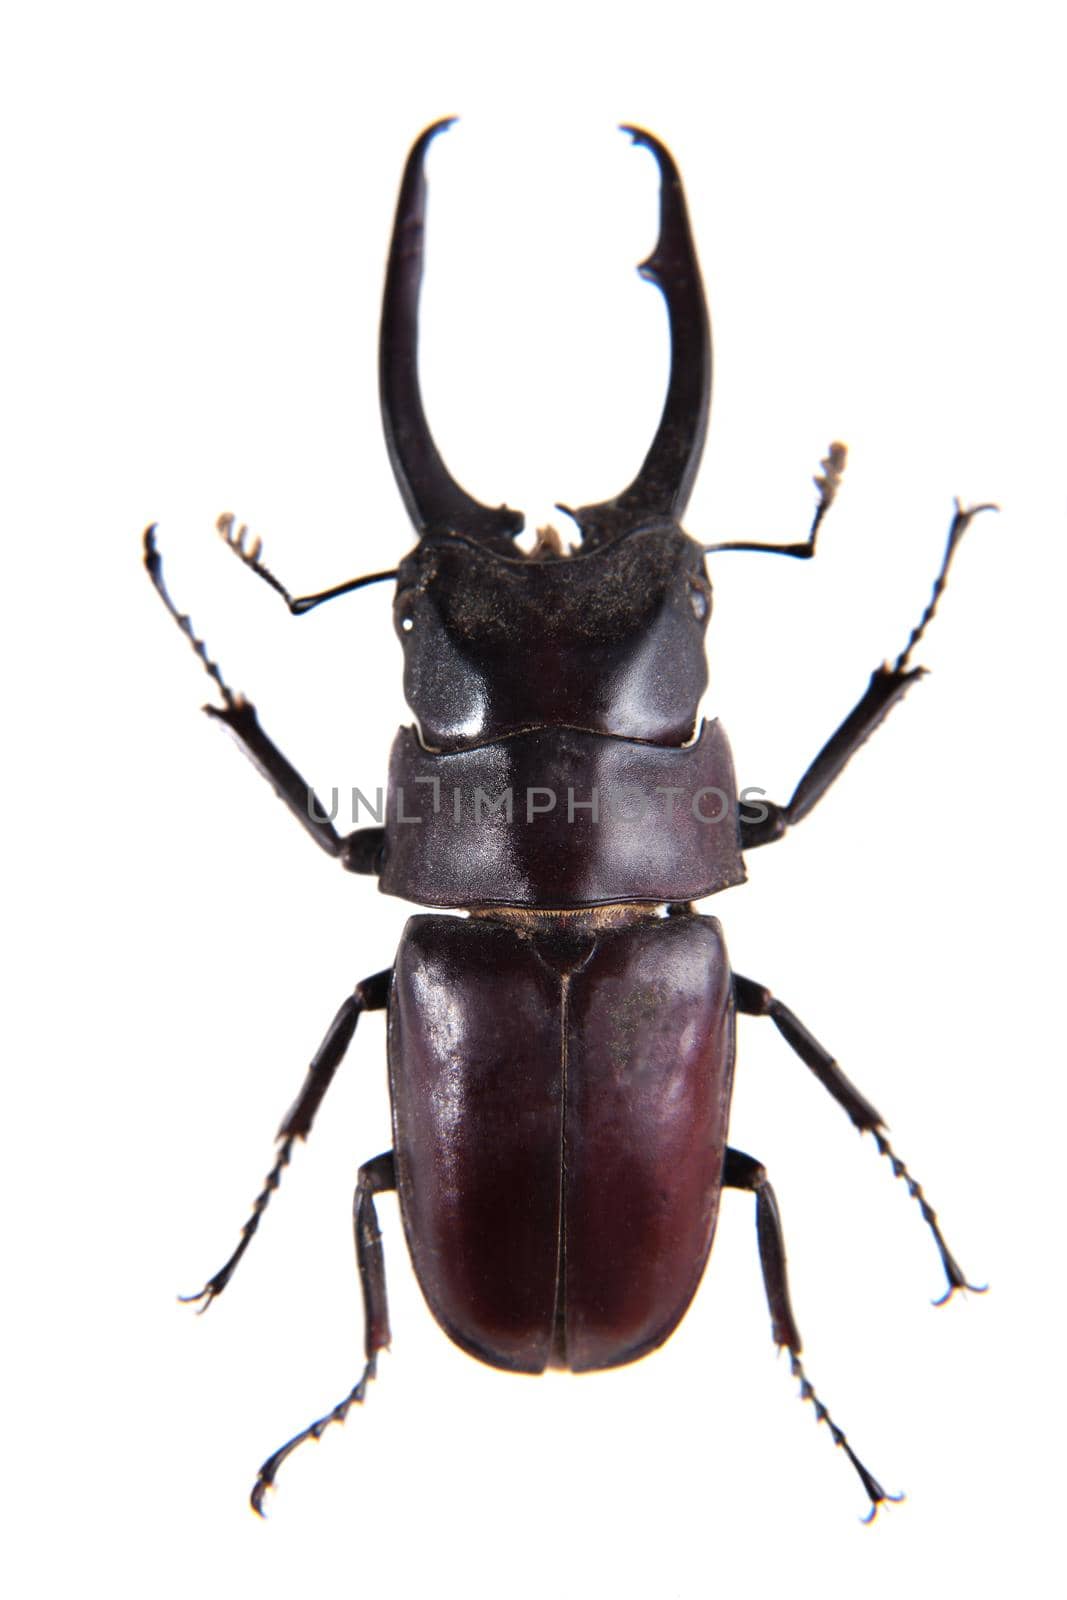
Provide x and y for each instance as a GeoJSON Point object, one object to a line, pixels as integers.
{"type": "Point", "coordinates": [560, 1092]}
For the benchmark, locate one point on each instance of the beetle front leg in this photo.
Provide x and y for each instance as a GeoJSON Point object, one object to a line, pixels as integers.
{"type": "Point", "coordinates": [742, 1172]}
{"type": "Point", "coordinates": [754, 1000]}
{"type": "Point", "coordinates": [359, 851]}
{"type": "Point", "coordinates": [888, 685]}
{"type": "Point", "coordinates": [376, 1177]}
{"type": "Point", "coordinates": [370, 995]}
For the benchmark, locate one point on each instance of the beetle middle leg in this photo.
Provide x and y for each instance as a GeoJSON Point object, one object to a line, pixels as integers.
{"type": "Point", "coordinates": [370, 995]}
{"type": "Point", "coordinates": [756, 1001]}
{"type": "Point", "coordinates": [375, 1177]}
{"type": "Point", "coordinates": [743, 1172]}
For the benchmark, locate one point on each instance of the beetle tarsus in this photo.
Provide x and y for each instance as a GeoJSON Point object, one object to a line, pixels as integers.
{"type": "Point", "coordinates": [215, 1285]}
{"type": "Point", "coordinates": [954, 1273]}
{"type": "Point", "coordinates": [742, 1171]}
{"type": "Point", "coordinates": [960, 523]}
{"type": "Point", "coordinates": [269, 1470]}
{"type": "Point", "coordinates": [874, 1489]}
{"type": "Point", "coordinates": [154, 566]}
{"type": "Point", "coordinates": [877, 1495]}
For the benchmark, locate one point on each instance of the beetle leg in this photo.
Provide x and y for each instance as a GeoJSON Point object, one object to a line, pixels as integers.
{"type": "Point", "coordinates": [756, 1001]}
{"type": "Point", "coordinates": [370, 995]}
{"type": "Point", "coordinates": [742, 1172]}
{"type": "Point", "coordinates": [888, 685]}
{"type": "Point", "coordinates": [359, 851]}
{"type": "Point", "coordinates": [376, 1177]}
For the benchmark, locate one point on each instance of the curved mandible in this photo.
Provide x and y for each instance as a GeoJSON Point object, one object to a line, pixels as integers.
{"type": "Point", "coordinates": [435, 501]}
{"type": "Point", "coordinates": [665, 481]}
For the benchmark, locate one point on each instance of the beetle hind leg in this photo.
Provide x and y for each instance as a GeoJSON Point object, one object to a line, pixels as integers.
{"type": "Point", "coordinates": [375, 1177]}
{"type": "Point", "coordinates": [742, 1172]}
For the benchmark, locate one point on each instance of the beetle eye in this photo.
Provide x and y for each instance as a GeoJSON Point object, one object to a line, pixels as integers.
{"type": "Point", "coordinates": [699, 598]}
{"type": "Point", "coordinates": [404, 610]}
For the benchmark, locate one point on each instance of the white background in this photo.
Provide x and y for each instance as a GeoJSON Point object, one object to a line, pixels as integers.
{"type": "Point", "coordinates": [197, 201]}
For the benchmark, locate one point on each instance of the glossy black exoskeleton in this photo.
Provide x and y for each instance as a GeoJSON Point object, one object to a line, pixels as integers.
{"type": "Point", "coordinates": [561, 1057]}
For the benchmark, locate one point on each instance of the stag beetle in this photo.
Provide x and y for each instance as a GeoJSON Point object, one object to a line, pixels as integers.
{"type": "Point", "coordinates": [560, 1057]}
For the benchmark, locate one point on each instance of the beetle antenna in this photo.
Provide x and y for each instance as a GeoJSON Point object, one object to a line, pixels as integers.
{"type": "Point", "coordinates": [154, 564]}
{"type": "Point", "coordinates": [827, 480]}
{"type": "Point", "coordinates": [237, 543]}
{"type": "Point", "coordinates": [960, 523]}
{"type": "Point", "coordinates": [250, 556]}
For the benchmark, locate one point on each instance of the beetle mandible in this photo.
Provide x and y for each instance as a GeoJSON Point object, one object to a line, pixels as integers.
{"type": "Point", "coordinates": [561, 1057]}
